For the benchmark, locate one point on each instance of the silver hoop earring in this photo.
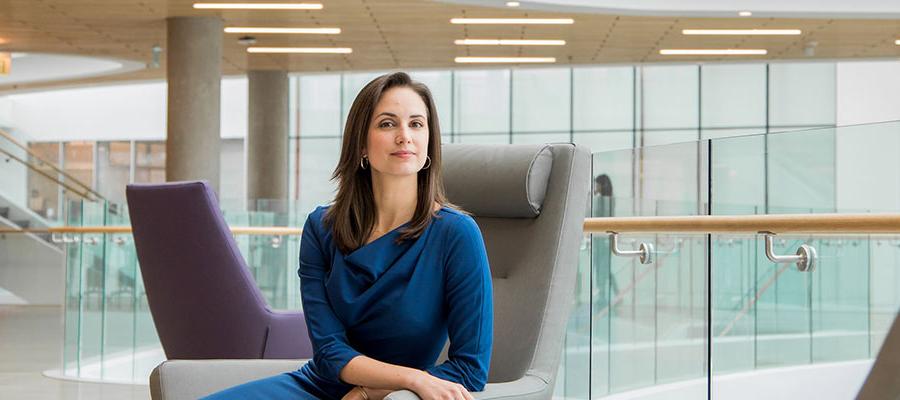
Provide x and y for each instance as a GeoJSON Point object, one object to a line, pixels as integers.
{"type": "Point", "coordinates": [364, 162]}
{"type": "Point", "coordinates": [427, 163]}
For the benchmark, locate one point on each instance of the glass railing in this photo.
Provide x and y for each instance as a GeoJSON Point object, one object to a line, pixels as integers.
{"type": "Point", "coordinates": [35, 189]}
{"type": "Point", "coordinates": [109, 332]}
{"type": "Point", "coordinates": [711, 307]}
{"type": "Point", "coordinates": [712, 313]}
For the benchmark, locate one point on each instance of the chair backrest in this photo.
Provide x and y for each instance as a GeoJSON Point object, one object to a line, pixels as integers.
{"type": "Point", "coordinates": [529, 202]}
{"type": "Point", "coordinates": [203, 299]}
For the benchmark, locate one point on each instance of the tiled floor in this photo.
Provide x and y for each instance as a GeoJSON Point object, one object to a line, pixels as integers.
{"type": "Point", "coordinates": [30, 343]}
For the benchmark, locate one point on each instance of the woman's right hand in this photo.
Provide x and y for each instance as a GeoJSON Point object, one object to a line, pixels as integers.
{"type": "Point", "coordinates": [429, 387]}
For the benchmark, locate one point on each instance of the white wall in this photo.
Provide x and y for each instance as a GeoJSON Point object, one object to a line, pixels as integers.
{"type": "Point", "coordinates": [866, 155]}
{"type": "Point", "coordinates": [119, 112]}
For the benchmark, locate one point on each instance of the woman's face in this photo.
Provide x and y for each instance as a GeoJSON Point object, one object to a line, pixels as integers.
{"type": "Point", "coordinates": [398, 133]}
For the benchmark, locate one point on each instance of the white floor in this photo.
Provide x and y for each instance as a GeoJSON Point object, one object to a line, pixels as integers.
{"type": "Point", "coordinates": [30, 343]}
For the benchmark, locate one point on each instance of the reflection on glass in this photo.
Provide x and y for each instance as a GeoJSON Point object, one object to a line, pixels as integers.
{"type": "Point", "coordinates": [113, 169]}
{"type": "Point", "coordinates": [150, 162]}
{"type": "Point", "coordinates": [44, 193]}
{"type": "Point", "coordinates": [79, 163]}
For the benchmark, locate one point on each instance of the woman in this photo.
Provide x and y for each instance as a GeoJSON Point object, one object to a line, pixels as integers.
{"type": "Point", "coordinates": [391, 268]}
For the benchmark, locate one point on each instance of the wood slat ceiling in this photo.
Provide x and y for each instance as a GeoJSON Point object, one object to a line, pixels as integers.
{"type": "Point", "coordinates": [405, 34]}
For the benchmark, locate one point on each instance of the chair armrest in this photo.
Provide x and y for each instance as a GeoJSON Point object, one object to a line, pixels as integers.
{"type": "Point", "coordinates": [287, 336]}
{"type": "Point", "coordinates": [191, 379]}
{"type": "Point", "coordinates": [528, 387]}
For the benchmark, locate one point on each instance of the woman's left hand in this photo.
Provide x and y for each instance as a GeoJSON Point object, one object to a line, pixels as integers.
{"type": "Point", "coordinates": [374, 394]}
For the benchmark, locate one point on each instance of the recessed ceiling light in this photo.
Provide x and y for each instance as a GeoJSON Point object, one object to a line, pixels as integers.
{"type": "Point", "coordinates": [323, 31]}
{"type": "Point", "coordinates": [712, 52]}
{"type": "Point", "coordinates": [258, 6]}
{"type": "Point", "coordinates": [509, 42]}
{"type": "Point", "coordinates": [303, 50]}
{"type": "Point", "coordinates": [516, 60]}
{"type": "Point", "coordinates": [514, 21]}
{"type": "Point", "coordinates": [897, 42]}
{"type": "Point", "coordinates": [512, 4]}
{"type": "Point", "coordinates": [745, 13]}
{"type": "Point", "coordinates": [741, 32]}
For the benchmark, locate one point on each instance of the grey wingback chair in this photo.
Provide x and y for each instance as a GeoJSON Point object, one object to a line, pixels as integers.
{"type": "Point", "coordinates": [529, 202]}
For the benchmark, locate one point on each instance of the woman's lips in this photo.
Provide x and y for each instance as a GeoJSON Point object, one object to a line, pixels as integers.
{"type": "Point", "coordinates": [403, 155]}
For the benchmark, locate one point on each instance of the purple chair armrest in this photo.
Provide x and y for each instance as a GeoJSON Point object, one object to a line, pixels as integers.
{"type": "Point", "coordinates": [287, 337]}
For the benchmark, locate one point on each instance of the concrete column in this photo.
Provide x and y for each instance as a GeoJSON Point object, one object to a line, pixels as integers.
{"type": "Point", "coordinates": [194, 74]}
{"type": "Point", "coordinates": [267, 136]}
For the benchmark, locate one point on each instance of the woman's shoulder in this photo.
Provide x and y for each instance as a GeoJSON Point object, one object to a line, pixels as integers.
{"type": "Point", "coordinates": [457, 222]}
{"type": "Point", "coordinates": [316, 218]}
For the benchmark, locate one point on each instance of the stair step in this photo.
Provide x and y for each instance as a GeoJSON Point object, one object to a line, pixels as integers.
{"type": "Point", "coordinates": [24, 224]}
{"type": "Point", "coordinates": [4, 212]}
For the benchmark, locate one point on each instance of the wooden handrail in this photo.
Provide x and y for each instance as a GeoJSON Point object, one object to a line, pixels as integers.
{"type": "Point", "coordinates": [13, 140]}
{"type": "Point", "coordinates": [37, 170]}
{"type": "Point", "coordinates": [776, 223]}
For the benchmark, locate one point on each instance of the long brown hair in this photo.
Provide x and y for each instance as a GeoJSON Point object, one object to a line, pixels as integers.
{"type": "Point", "coordinates": [353, 215]}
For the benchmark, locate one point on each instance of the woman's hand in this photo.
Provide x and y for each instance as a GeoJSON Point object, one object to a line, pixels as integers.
{"type": "Point", "coordinates": [374, 394]}
{"type": "Point", "coordinates": [429, 387]}
{"type": "Point", "coordinates": [354, 394]}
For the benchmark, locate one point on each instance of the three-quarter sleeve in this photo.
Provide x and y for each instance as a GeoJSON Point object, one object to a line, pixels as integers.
{"type": "Point", "coordinates": [331, 349]}
{"type": "Point", "coordinates": [469, 307]}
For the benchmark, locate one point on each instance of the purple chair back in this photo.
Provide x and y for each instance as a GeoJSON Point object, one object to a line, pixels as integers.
{"type": "Point", "coordinates": [204, 302]}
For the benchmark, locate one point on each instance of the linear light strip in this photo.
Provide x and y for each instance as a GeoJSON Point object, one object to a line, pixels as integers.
{"type": "Point", "coordinates": [516, 60]}
{"type": "Point", "coordinates": [303, 50]}
{"type": "Point", "coordinates": [742, 32]}
{"type": "Point", "coordinates": [508, 42]}
{"type": "Point", "coordinates": [514, 21]}
{"type": "Point", "coordinates": [320, 31]}
{"type": "Point", "coordinates": [258, 6]}
{"type": "Point", "coordinates": [712, 52]}
{"type": "Point", "coordinates": [897, 42]}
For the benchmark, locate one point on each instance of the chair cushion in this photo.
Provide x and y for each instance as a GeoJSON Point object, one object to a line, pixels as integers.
{"type": "Point", "coordinates": [515, 188]}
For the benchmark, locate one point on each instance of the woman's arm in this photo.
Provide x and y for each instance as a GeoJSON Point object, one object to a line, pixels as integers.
{"type": "Point", "coordinates": [380, 378]}
{"type": "Point", "coordinates": [331, 348]}
{"type": "Point", "coordinates": [470, 311]}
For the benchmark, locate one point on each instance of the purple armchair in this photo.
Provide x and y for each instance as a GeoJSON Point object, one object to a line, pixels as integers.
{"type": "Point", "coordinates": [203, 299]}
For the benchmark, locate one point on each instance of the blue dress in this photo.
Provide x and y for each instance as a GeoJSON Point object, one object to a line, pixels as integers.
{"type": "Point", "coordinates": [396, 303]}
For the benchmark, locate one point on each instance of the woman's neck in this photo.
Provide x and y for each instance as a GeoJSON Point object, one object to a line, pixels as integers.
{"type": "Point", "coordinates": [395, 200]}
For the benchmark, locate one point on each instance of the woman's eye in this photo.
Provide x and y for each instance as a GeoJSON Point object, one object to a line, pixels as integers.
{"type": "Point", "coordinates": [386, 124]}
{"type": "Point", "coordinates": [417, 124]}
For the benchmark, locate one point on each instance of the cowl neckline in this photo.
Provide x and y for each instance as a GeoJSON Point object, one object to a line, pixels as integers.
{"type": "Point", "coordinates": [374, 258]}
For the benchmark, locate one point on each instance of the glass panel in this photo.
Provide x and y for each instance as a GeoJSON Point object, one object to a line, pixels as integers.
{"type": "Point", "coordinates": [541, 100]}
{"type": "Point", "coordinates": [604, 141]}
{"type": "Point", "coordinates": [232, 174]}
{"type": "Point", "coordinates": [44, 193]}
{"type": "Point", "coordinates": [671, 104]}
{"type": "Point", "coordinates": [318, 158]}
{"type": "Point", "coordinates": [733, 99]}
{"type": "Point", "coordinates": [78, 159]}
{"type": "Point", "coordinates": [73, 296]}
{"type": "Point", "coordinates": [840, 299]}
{"type": "Point", "coordinates": [603, 99]}
{"type": "Point", "coordinates": [113, 170]}
{"type": "Point", "coordinates": [150, 162]}
{"type": "Point", "coordinates": [93, 273]}
{"type": "Point", "coordinates": [320, 105]}
{"type": "Point", "coordinates": [801, 172]}
{"type": "Point", "coordinates": [559, 137]}
{"type": "Point", "coordinates": [481, 101]}
{"type": "Point", "coordinates": [502, 138]}
{"type": "Point", "coordinates": [802, 95]}
{"type": "Point", "coordinates": [119, 299]}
